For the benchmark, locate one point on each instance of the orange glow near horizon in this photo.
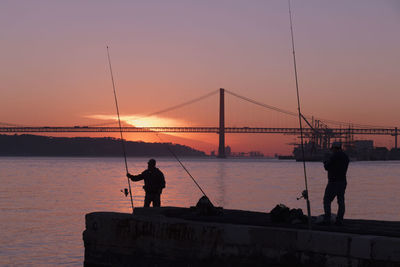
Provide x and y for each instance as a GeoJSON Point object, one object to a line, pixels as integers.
{"type": "Point", "coordinates": [142, 121]}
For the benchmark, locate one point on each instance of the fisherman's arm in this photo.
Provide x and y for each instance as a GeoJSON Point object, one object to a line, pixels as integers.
{"type": "Point", "coordinates": [135, 178]}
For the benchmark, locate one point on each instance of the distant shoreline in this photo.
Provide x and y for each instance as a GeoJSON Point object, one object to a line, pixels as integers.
{"type": "Point", "coordinates": [27, 145]}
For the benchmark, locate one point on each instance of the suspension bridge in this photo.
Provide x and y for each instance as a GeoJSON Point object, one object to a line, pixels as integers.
{"type": "Point", "coordinates": [316, 130]}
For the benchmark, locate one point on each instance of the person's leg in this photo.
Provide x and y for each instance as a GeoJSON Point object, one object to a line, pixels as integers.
{"type": "Point", "coordinates": [156, 200]}
{"type": "Point", "coordinates": [328, 197]}
{"type": "Point", "coordinates": [147, 200]}
{"type": "Point", "coordinates": [341, 188]}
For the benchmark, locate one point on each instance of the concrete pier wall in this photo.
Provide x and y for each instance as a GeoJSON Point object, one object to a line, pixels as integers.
{"type": "Point", "coordinates": [116, 239]}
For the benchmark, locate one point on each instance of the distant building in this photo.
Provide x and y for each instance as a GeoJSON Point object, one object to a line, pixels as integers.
{"type": "Point", "coordinates": [256, 154]}
{"type": "Point", "coordinates": [360, 145]}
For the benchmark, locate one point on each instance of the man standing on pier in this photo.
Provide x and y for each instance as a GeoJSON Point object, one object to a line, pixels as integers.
{"type": "Point", "coordinates": [336, 166]}
{"type": "Point", "coordinates": [154, 183]}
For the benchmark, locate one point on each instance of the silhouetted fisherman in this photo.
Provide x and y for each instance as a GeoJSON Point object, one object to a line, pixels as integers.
{"type": "Point", "coordinates": [154, 183]}
{"type": "Point", "coordinates": [336, 166]}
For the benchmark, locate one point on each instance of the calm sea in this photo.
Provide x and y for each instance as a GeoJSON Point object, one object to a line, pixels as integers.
{"type": "Point", "coordinates": [43, 201]}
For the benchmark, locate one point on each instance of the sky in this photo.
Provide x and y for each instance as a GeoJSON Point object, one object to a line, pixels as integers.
{"type": "Point", "coordinates": [54, 69]}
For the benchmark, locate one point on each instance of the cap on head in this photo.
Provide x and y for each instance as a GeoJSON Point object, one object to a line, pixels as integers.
{"type": "Point", "coordinates": [337, 145]}
{"type": "Point", "coordinates": [152, 162]}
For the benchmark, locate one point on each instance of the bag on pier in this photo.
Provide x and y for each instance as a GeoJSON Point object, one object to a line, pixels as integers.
{"type": "Point", "coordinates": [281, 213]}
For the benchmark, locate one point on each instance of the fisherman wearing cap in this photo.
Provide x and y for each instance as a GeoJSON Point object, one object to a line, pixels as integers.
{"type": "Point", "coordinates": [336, 166]}
{"type": "Point", "coordinates": [154, 183]}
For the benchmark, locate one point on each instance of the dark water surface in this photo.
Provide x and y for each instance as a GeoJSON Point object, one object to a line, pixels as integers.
{"type": "Point", "coordinates": [43, 201]}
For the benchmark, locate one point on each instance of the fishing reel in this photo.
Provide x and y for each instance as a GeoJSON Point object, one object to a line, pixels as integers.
{"type": "Point", "coordinates": [125, 191]}
{"type": "Point", "coordinates": [304, 195]}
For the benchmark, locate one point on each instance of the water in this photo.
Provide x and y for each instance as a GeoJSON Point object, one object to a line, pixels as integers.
{"type": "Point", "coordinates": [43, 201]}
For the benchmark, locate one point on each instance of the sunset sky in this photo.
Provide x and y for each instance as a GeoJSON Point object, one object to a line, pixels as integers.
{"type": "Point", "coordinates": [54, 69]}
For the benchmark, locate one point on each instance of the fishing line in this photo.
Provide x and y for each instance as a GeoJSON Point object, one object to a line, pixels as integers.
{"type": "Point", "coordinates": [120, 128]}
{"type": "Point", "coordinates": [183, 166]}
{"type": "Point", "coordinates": [305, 193]}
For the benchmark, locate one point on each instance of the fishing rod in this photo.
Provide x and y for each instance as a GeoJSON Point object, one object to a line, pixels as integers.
{"type": "Point", "coordinates": [119, 123]}
{"type": "Point", "coordinates": [305, 194]}
{"type": "Point", "coordinates": [183, 166]}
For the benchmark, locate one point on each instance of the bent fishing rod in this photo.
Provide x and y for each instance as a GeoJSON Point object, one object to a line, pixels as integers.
{"type": "Point", "coordinates": [305, 194]}
{"type": "Point", "coordinates": [120, 128]}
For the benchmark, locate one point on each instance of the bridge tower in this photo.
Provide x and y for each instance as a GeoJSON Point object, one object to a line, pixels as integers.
{"type": "Point", "coordinates": [221, 147]}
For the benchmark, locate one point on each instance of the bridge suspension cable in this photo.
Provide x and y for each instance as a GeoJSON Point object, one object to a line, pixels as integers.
{"type": "Point", "coordinates": [294, 114]}
{"type": "Point", "coordinates": [262, 104]}
{"type": "Point", "coordinates": [182, 104]}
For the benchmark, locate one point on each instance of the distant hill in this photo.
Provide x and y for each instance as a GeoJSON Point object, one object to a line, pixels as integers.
{"type": "Point", "coordinates": [36, 145]}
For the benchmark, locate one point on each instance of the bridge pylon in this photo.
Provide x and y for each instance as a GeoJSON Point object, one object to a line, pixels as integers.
{"type": "Point", "coordinates": [221, 132]}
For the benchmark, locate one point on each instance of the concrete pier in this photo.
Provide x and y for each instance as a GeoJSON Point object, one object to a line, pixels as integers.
{"type": "Point", "coordinates": [170, 237]}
